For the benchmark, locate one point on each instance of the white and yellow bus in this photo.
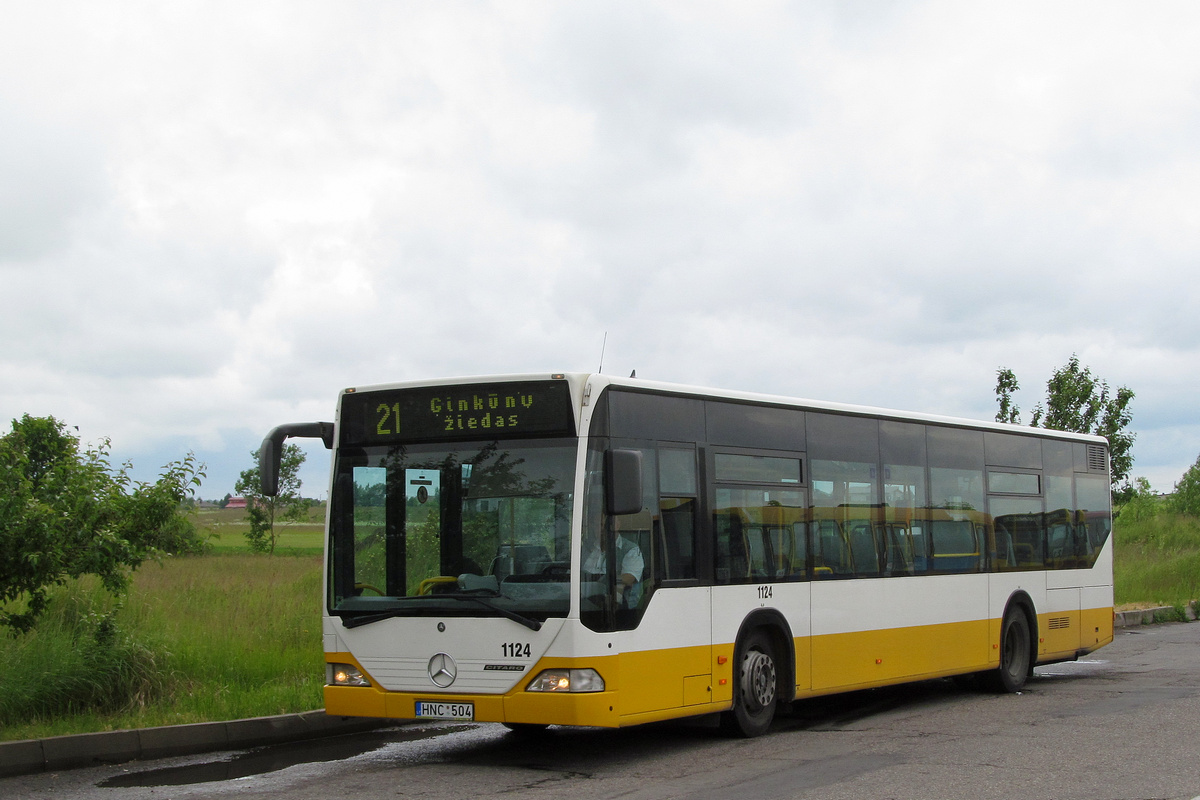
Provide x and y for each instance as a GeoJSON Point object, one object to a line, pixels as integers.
{"type": "Point", "coordinates": [577, 549]}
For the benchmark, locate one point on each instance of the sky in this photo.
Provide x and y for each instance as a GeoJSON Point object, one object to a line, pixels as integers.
{"type": "Point", "coordinates": [215, 216]}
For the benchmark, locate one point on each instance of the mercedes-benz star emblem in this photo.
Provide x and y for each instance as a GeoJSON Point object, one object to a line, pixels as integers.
{"type": "Point", "coordinates": [442, 670]}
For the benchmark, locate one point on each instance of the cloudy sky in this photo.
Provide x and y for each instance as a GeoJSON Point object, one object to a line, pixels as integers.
{"type": "Point", "coordinates": [214, 216]}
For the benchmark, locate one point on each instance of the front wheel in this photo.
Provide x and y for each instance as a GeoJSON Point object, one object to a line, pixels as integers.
{"type": "Point", "coordinates": [755, 688]}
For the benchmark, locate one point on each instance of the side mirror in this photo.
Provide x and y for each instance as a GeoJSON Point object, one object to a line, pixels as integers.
{"type": "Point", "coordinates": [622, 481]}
{"type": "Point", "coordinates": [270, 452]}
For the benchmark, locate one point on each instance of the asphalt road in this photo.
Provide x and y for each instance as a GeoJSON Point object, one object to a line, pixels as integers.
{"type": "Point", "coordinates": [1122, 725]}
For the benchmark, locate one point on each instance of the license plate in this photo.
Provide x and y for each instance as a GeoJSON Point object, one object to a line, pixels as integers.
{"type": "Point", "coordinates": [430, 709]}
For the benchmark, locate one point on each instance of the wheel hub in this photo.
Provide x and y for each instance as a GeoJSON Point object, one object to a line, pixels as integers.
{"type": "Point", "coordinates": [758, 679]}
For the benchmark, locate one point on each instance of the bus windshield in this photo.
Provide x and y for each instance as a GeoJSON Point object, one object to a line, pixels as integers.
{"type": "Point", "coordinates": [474, 529]}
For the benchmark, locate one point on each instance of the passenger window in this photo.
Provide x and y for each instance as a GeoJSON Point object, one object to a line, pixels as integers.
{"type": "Point", "coordinates": [677, 538]}
{"type": "Point", "coordinates": [957, 521]}
{"type": "Point", "coordinates": [899, 547]}
{"type": "Point", "coordinates": [1020, 538]}
{"type": "Point", "coordinates": [1065, 549]}
{"type": "Point", "coordinates": [864, 549]}
{"type": "Point", "coordinates": [676, 472]}
{"type": "Point", "coordinates": [675, 527]}
{"type": "Point", "coordinates": [1094, 515]}
{"type": "Point", "coordinates": [956, 545]}
{"type": "Point", "coordinates": [757, 469]}
{"type": "Point", "coordinates": [1014, 482]}
{"type": "Point", "coordinates": [849, 517]}
{"type": "Point", "coordinates": [760, 535]}
{"type": "Point", "coordinates": [904, 506]}
{"type": "Point", "coordinates": [831, 553]}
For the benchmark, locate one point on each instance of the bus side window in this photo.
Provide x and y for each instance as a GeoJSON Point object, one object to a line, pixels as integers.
{"type": "Point", "coordinates": [1060, 545]}
{"type": "Point", "coordinates": [920, 547]}
{"type": "Point", "coordinates": [955, 546]}
{"type": "Point", "coordinates": [863, 549]}
{"type": "Point", "coordinates": [675, 535]}
{"type": "Point", "coordinates": [757, 554]}
{"type": "Point", "coordinates": [800, 551]}
{"type": "Point", "coordinates": [732, 562]}
{"type": "Point", "coordinates": [1006, 556]}
{"type": "Point", "coordinates": [831, 557]}
{"type": "Point", "coordinates": [899, 550]}
{"type": "Point", "coordinates": [677, 539]}
{"type": "Point", "coordinates": [790, 559]}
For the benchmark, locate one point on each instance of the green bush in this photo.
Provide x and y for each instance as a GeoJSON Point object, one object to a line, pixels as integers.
{"type": "Point", "coordinates": [1157, 560]}
{"type": "Point", "coordinates": [1186, 497]}
{"type": "Point", "coordinates": [1142, 504]}
{"type": "Point", "coordinates": [77, 660]}
{"type": "Point", "coordinates": [66, 512]}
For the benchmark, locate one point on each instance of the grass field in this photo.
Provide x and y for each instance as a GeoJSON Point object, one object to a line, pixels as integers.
{"type": "Point", "coordinates": [226, 529]}
{"type": "Point", "coordinates": [1157, 561]}
{"type": "Point", "coordinates": [226, 635]}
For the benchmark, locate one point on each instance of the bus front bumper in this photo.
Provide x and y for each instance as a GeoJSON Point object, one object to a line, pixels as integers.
{"type": "Point", "coordinates": [592, 709]}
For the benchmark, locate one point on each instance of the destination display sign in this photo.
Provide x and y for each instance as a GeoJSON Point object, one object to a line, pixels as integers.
{"type": "Point", "coordinates": [475, 411]}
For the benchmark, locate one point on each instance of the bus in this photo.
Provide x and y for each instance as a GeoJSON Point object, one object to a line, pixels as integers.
{"type": "Point", "coordinates": [587, 550]}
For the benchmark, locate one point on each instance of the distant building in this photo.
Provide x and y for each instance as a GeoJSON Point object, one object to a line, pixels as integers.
{"type": "Point", "coordinates": [236, 502]}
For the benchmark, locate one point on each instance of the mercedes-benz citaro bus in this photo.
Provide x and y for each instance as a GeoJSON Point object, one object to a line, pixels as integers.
{"type": "Point", "coordinates": [581, 549]}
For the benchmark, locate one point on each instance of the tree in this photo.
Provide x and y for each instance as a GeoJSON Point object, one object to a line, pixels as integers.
{"type": "Point", "coordinates": [1077, 401]}
{"type": "Point", "coordinates": [1186, 498]}
{"type": "Point", "coordinates": [286, 504]}
{"type": "Point", "coordinates": [65, 512]}
{"type": "Point", "coordinates": [1006, 384]}
{"type": "Point", "coordinates": [1140, 502]}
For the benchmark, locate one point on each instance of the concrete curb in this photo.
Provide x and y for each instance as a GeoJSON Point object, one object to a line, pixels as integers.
{"type": "Point", "coordinates": [1146, 616]}
{"type": "Point", "coordinates": [115, 747]}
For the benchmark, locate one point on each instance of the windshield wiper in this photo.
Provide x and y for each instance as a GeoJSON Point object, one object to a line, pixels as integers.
{"type": "Point", "coordinates": [367, 619]}
{"type": "Point", "coordinates": [532, 624]}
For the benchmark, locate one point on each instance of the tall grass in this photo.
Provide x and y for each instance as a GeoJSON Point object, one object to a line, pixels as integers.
{"type": "Point", "coordinates": [220, 636]}
{"type": "Point", "coordinates": [1157, 559]}
{"type": "Point", "coordinates": [77, 660]}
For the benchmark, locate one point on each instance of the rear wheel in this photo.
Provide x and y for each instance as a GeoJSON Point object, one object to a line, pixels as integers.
{"type": "Point", "coordinates": [755, 688]}
{"type": "Point", "coordinates": [1016, 653]}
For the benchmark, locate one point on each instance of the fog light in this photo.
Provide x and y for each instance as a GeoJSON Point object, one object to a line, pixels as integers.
{"type": "Point", "coordinates": [567, 680]}
{"type": "Point", "coordinates": [346, 675]}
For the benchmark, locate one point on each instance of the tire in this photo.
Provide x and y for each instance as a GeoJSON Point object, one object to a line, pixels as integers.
{"type": "Point", "coordinates": [1016, 653]}
{"type": "Point", "coordinates": [755, 687]}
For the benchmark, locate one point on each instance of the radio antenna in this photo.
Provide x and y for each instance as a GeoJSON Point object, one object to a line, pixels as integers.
{"type": "Point", "coordinates": [602, 346]}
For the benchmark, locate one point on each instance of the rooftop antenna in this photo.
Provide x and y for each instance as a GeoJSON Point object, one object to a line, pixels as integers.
{"type": "Point", "coordinates": [602, 346]}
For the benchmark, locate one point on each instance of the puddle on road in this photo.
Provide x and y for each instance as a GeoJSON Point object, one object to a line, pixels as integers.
{"type": "Point", "coordinates": [272, 758]}
{"type": "Point", "coordinates": [1071, 668]}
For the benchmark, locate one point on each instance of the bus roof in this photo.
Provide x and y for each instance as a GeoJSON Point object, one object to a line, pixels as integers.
{"type": "Point", "coordinates": [598, 381]}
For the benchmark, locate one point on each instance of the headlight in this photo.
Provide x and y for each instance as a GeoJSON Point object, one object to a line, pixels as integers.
{"type": "Point", "coordinates": [567, 680]}
{"type": "Point", "coordinates": [346, 675]}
